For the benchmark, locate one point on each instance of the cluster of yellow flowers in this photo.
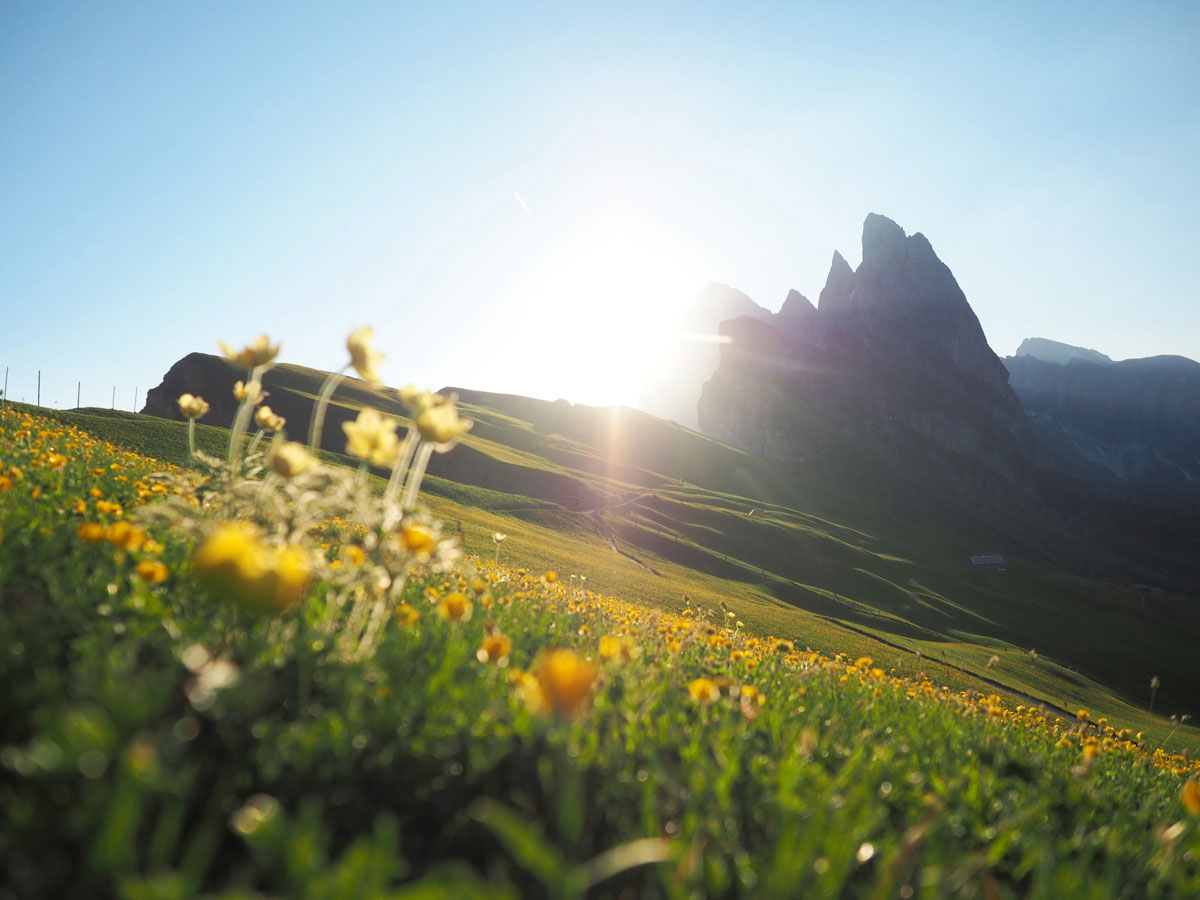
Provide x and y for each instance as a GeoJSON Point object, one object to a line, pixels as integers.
{"type": "Point", "coordinates": [562, 681]}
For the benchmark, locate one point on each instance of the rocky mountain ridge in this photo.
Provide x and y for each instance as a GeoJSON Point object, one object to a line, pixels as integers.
{"type": "Point", "coordinates": [891, 356]}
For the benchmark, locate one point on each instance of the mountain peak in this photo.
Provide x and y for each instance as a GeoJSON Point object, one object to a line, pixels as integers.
{"type": "Point", "coordinates": [839, 285]}
{"type": "Point", "coordinates": [883, 241]}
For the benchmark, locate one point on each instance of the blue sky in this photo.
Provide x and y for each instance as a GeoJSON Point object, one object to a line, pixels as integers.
{"type": "Point", "coordinates": [521, 197]}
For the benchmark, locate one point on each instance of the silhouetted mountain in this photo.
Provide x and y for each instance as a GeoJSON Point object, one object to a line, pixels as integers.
{"type": "Point", "coordinates": [893, 356]}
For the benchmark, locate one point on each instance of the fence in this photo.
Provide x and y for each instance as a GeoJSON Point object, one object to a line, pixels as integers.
{"type": "Point", "coordinates": [40, 389]}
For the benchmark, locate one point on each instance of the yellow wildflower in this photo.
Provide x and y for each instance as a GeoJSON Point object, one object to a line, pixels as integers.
{"type": "Point", "coordinates": [5, 483]}
{"type": "Point", "coordinates": [418, 539]}
{"type": "Point", "coordinates": [192, 407]}
{"type": "Point", "coordinates": [440, 425]}
{"type": "Point", "coordinates": [363, 356]}
{"type": "Point", "coordinates": [257, 577]}
{"type": "Point", "coordinates": [1191, 796]}
{"type": "Point", "coordinates": [266, 419]}
{"type": "Point", "coordinates": [618, 647]}
{"type": "Point", "coordinates": [455, 607]}
{"type": "Point", "coordinates": [703, 691]}
{"type": "Point", "coordinates": [258, 353]}
{"type": "Point", "coordinates": [496, 647]}
{"type": "Point", "coordinates": [252, 392]}
{"type": "Point", "coordinates": [151, 570]}
{"type": "Point", "coordinates": [416, 400]}
{"type": "Point", "coordinates": [407, 615]}
{"type": "Point", "coordinates": [372, 437]}
{"type": "Point", "coordinates": [565, 679]}
{"type": "Point", "coordinates": [91, 532]}
{"type": "Point", "coordinates": [125, 535]}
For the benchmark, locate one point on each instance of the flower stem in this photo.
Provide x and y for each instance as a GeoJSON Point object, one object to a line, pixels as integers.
{"type": "Point", "coordinates": [318, 420]}
{"type": "Point", "coordinates": [401, 466]}
{"type": "Point", "coordinates": [415, 474]}
{"type": "Point", "coordinates": [242, 418]}
{"type": "Point", "coordinates": [254, 442]}
{"type": "Point", "coordinates": [191, 437]}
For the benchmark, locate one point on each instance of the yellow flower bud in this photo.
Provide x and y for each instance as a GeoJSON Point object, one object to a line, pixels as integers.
{"type": "Point", "coordinates": [192, 407]}
{"type": "Point", "coordinates": [363, 356]}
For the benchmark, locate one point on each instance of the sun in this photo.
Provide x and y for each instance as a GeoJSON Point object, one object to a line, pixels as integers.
{"type": "Point", "coordinates": [605, 297]}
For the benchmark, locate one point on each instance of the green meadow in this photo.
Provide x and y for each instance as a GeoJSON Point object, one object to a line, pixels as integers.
{"type": "Point", "coordinates": [624, 686]}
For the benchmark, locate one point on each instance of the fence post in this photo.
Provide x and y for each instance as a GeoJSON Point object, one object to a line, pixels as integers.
{"type": "Point", "coordinates": [39, 396]}
{"type": "Point", "coordinates": [114, 402]}
{"type": "Point", "coordinates": [78, 388]}
{"type": "Point", "coordinates": [134, 400]}
{"type": "Point", "coordinates": [4, 397]}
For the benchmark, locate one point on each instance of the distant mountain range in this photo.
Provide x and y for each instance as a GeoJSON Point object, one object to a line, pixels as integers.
{"type": "Point", "coordinates": [1133, 425]}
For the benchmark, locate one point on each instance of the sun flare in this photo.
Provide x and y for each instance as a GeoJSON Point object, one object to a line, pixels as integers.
{"type": "Point", "coordinates": [606, 297]}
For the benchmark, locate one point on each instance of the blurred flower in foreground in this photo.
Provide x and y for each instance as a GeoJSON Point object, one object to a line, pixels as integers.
{"type": "Point", "coordinates": [257, 577]}
{"type": "Point", "coordinates": [372, 437]}
{"type": "Point", "coordinates": [455, 607]}
{"type": "Point", "coordinates": [1191, 796]}
{"type": "Point", "coordinates": [252, 392]}
{"type": "Point", "coordinates": [268, 420]}
{"type": "Point", "coordinates": [440, 425]}
{"type": "Point", "coordinates": [192, 407]}
{"type": "Point", "coordinates": [703, 691]}
{"type": "Point", "coordinates": [618, 647]}
{"type": "Point", "coordinates": [496, 647]}
{"type": "Point", "coordinates": [255, 354]}
{"type": "Point", "coordinates": [290, 459]}
{"type": "Point", "coordinates": [363, 356]}
{"type": "Point", "coordinates": [564, 679]}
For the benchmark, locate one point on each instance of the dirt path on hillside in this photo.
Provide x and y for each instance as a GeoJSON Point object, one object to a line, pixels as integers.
{"type": "Point", "coordinates": [605, 532]}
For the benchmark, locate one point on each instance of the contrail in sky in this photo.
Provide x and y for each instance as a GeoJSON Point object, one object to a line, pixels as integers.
{"type": "Point", "coordinates": [522, 202]}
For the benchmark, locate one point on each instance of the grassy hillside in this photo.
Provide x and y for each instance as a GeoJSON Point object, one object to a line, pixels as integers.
{"type": "Point", "coordinates": [828, 565]}
{"type": "Point", "coordinates": [196, 704]}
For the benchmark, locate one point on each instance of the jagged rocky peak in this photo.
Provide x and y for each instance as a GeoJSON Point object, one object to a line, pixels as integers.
{"type": "Point", "coordinates": [893, 349]}
{"type": "Point", "coordinates": [797, 314]}
{"type": "Point", "coordinates": [796, 304]}
{"type": "Point", "coordinates": [903, 301]}
{"type": "Point", "coordinates": [839, 285]}
{"type": "Point", "coordinates": [1057, 352]}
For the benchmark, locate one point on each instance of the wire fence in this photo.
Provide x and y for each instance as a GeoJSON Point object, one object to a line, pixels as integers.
{"type": "Point", "coordinates": [40, 388]}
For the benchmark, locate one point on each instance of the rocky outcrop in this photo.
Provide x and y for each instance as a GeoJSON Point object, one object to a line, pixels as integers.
{"type": "Point", "coordinates": [290, 393]}
{"type": "Point", "coordinates": [1135, 422]}
{"type": "Point", "coordinates": [892, 357]}
{"type": "Point", "coordinates": [691, 354]}
{"type": "Point", "coordinates": [204, 374]}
